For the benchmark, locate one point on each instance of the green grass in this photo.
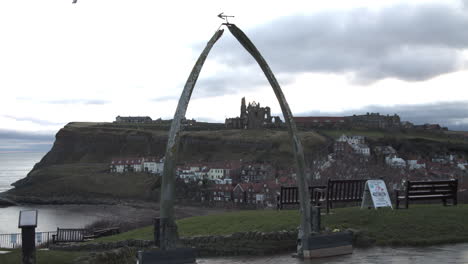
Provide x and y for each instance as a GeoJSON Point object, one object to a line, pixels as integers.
{"type": "Point", "coordinates": [420, 225]}
{"type": "Point", "coordinates": [87, 180]}
{"type": "Point", "coordinates": [42, 257]}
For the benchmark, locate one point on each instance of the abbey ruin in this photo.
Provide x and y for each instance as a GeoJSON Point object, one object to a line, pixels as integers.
{"type": "Point", "coordinates": [253, 116]}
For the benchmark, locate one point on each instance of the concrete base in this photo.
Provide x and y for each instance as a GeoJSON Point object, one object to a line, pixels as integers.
{"type": "Point", "coordinates": [328, 245]}
{"type": "Point", "coordinates": [328, 252]}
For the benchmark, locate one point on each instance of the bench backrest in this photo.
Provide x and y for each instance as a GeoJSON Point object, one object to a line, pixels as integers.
{"type": "Point", "coordinates": [70, 234]}
{"type": "Point", "coordinates": [422, 188]}
{"type": "Point", "coordinates": [345, 190]}
{"type": "Point", "coordinates": [290, 195]}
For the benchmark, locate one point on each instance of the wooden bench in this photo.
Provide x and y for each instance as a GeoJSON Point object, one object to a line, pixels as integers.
{"type": "Point", "coordinates": [290, 195]}
{"type": "Point", "coordinates": [69, 235]}
{"type": "Point", "coordinates": [428, 190]}
{"type": "Point", "coordinates": [344, 191]}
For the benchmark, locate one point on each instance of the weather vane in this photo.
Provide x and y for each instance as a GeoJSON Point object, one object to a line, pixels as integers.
{"type": "Point", "coordinates": [225, 17]}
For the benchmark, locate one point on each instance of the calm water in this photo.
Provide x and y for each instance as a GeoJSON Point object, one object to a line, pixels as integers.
{"type": "Point", "coordinates": [52, 216]}
{"type": "Point", "coordinates": [15, 166]}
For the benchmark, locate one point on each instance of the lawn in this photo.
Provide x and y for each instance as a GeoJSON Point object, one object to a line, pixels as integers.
{"type": "Point", "coordinates": [421, 225]}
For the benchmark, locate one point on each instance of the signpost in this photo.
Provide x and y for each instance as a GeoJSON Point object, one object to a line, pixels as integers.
{"type": "Point", "coordinates": [28, 223]}
{"type": "Point", "coordinates": [376, 195]}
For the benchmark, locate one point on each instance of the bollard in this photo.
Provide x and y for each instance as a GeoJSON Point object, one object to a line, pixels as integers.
{"type": "Point", "coordinates": [28, 247]}
{"type": "Point", "coordinates": [316, 221]}
{"type": "Point", "coordinates": [157, 231]}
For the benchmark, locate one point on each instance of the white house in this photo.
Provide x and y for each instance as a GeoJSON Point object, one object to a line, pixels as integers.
{"type": "Point", "coordinates": [153, 165]}
{"type": "Point", "coordinates": [352, 139]}
{"type": "Point", "coordinates": [126, 165]}
{"type": "Point", "coordinates": [117, 165]}
{"type": "Point", "coordinates": [416, 164]}
{"type": "Point", "coordinates": [357, 143]}
{"type": "Point", "coordinates": [216, 173]}
{"type": "Point", "coordinates": [462, 166]}
{"type": "Point", "coordinates": [362, 149]}
{"type": "Point", "coordinates": [223, 181]}
{"type": "Point", "coordinates": [395, 162]}
{"type": "Point", "coordinates": [188, 177]}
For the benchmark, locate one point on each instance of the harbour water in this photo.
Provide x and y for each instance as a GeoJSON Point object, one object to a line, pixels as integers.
{"type": "Point", "coordinates": [52, 216]}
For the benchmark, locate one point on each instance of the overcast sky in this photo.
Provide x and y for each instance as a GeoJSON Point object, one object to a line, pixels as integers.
{"type": "Point", "coordinates": [94, 60]}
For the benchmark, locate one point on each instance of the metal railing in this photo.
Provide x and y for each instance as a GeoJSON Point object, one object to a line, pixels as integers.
{"type": "Point", "coordinates": [14, 240]}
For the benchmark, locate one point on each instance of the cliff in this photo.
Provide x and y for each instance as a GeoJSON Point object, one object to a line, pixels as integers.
{"type": "Point", "coordinates": [76, 168]}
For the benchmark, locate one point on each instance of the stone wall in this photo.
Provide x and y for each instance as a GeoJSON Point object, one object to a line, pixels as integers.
{"type": "Point", "coordinates": [245, 243]}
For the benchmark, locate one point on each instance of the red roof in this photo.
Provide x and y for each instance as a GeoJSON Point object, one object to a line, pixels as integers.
{"type": "Point", "coordinates": [127, 161]}
{"type": "Point", "coordinates": [152, 159]}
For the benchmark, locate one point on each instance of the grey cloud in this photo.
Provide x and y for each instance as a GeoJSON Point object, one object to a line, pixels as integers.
{"type": "Point", "coordinates": [79, 101]}
{"type": "Point", "coordinates": [242, 74]}
{"type": "Point", "coordinates": [20, 146]}
{"type": "Point", "coordinates": [408, 42]}
{"type": "Point", "coordinates": [11, 140]}
{"type": "Point", "coordinates": [453, 115]}
{"type": "Point", "coordinates": [229, 82]}
{"type": "Point", "coordinates": [33, 120]}
{"type": "Point", "coordinates": [22, 135]}
{"type": "Point", "coordinates": [165, 98]}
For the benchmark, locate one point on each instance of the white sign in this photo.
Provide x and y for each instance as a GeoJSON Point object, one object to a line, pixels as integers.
{"type": "Point", "coordinates": [39, 237]}
{"type": "Point", "coordinates": [28, 218]}
{"type": "Point", "coordinates": [376, 195]}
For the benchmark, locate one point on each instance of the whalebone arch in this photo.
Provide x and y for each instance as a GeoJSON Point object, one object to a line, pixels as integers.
{"type": "Point", "coordinates": [168, 237]}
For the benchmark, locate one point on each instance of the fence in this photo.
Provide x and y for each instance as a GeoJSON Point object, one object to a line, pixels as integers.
{"type": "Point", "coordinates": [14, 240]}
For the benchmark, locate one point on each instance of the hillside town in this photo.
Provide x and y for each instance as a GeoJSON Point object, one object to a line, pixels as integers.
{"type": "Point", "coordinates": [237, 183]}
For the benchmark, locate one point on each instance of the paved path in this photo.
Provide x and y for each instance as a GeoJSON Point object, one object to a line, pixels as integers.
{"type": "Point", "coordinates": [457, 253]}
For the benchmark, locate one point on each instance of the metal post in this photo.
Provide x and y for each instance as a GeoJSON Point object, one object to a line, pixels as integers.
{"type": "Point", "coordinates": [157, 232]}
{"type": "Point", "coordinates": [316, 221]}
{"type": "Point", "coordinates": [28, 245]}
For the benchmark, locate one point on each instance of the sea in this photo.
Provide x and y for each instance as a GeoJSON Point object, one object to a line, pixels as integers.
{"type": "Point", "coordinates": [15, 166]}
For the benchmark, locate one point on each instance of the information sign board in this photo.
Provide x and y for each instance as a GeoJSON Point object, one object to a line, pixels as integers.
{"type": "Point", "coordinates": [27, 218]}
{"type": "Point", "coordinates": [376, 195]}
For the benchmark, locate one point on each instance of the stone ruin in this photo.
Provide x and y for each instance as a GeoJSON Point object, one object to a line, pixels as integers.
{"type": "Point", "coordinates": [253, 116]}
